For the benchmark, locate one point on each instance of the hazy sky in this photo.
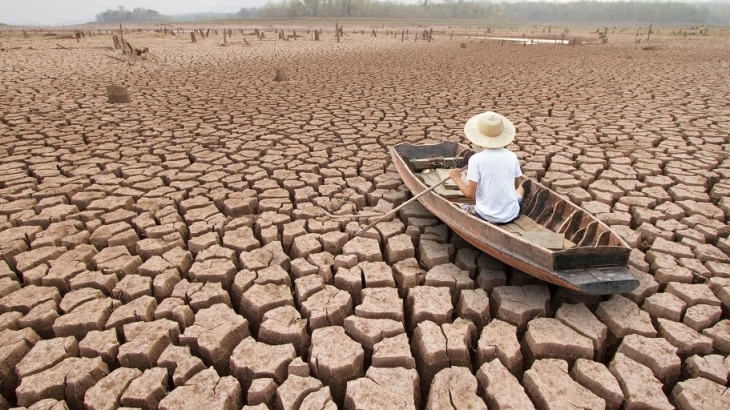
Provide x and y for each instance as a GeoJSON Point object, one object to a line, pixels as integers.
{"type": "Point", "coordinates": [55, 12]}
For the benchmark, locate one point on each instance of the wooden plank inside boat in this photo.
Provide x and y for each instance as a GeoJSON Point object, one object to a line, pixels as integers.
{"type": "Point", "coordinates": [550, 240]}
{"type": "Point", "coordinates": [532, 231]}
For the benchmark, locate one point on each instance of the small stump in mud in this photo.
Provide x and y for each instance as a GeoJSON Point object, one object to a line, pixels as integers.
{"type": "Point", "coordinates": [117, 94]}
{"type": "Point", "coordinates": [281, 75]}
{"type": "Point", "coordinates": [463, 45]}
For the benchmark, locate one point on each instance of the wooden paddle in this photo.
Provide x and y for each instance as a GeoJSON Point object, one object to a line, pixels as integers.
{"type": "Point", "coordinates": [403, 205]}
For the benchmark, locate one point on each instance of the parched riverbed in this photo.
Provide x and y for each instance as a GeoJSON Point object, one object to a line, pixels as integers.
{"type": "Point", "coordinates": [172, 252]}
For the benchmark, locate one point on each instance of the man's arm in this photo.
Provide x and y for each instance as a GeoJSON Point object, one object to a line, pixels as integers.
{"type": "Point", "coordinates": [470, 190]}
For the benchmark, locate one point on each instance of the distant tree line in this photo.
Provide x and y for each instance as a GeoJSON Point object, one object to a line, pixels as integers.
{"type": "Point", "coordinates": [533, 11]}
{"type": "Point", "coordinates": [714, 12]}
{"type": "Point", "coordinates": [122, 14]}
{"type": "Point", "coordinates": [719, 12]}
{"type": "Point", "coordinates": [615, 11]}
{"type": "Point", "coordinates": [376, 9]}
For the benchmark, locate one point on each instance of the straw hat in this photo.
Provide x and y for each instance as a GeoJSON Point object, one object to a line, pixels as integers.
{"type": "Point", "coordinates": [490, 130]}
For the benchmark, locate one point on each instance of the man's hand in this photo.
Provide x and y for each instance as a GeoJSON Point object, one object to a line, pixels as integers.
{"type": "Point", "coordinates": [470, 189]}
{"type": "Point", "coordinates": [455, 174]}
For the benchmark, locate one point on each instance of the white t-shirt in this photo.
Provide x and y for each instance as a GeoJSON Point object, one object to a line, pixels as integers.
{"type": "Point", "coordinates": [494, 171]}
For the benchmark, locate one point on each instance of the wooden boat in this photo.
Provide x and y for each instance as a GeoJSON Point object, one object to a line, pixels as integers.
{"type": "Point", "coordinates": [553, 239]}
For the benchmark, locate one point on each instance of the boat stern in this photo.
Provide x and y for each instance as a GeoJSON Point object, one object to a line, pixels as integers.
{"type": "Point", "coordinates": [601, 281]}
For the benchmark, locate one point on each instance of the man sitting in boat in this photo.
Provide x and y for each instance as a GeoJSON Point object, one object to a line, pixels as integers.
{"type": "Point", "coordinates": [493, 172]}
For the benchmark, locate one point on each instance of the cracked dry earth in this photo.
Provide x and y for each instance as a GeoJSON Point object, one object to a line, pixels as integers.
{"type": "Point", "coordinates": [172, 253]}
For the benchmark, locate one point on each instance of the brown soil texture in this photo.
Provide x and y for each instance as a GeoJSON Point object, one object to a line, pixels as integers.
{"type": "Point", "coordinates": [171, 251]}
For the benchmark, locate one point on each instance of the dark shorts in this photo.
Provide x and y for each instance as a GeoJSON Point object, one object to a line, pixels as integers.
{"type": "Point", "coordinates": [472, 210]}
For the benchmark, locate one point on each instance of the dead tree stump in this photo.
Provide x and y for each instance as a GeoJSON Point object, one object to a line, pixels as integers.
{"type": "Point", "coordinates": [117, 94]}
{"type": "Point", "coordinates": [117, 43]}
{"type": "Point", "coordinates": [316, 35]}
{"type": "Point", "coordinates": [463, 45]}
{"type": "Point", "coordinates": [121, 38]}
{"type": "Point", "coordinates": [281, 75]}
{"type": "Point", "coordinates": [192, 37]}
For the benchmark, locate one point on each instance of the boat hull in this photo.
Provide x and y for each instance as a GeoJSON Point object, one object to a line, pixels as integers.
{"type": "Point", "coordinates": [594, 280]}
